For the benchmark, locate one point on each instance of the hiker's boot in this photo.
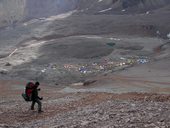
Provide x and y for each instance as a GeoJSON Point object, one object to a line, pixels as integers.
{"type": "Point", "coordinates": [40, 111]}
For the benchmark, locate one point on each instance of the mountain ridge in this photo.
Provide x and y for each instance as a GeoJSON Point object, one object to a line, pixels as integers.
{"type": "Point", "coordinates": [18, 10]}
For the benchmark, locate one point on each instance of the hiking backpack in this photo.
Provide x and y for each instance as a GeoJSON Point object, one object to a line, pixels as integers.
{"type": "Point", "coordinates": [28, 91]}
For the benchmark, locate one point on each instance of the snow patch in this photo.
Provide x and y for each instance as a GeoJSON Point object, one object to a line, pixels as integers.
{"type": "Point", "coordinates": [30, 22]}
{"type": "Point", "coordinates": [51, 18]}
{"type": "Point", "coordinates": [168, 35]}
{"type": "Point", "coordinates": [105, 10]}
{"type": "Point", "coordinates": [116, 39]}
{"type": "Point", "coordinates": [148, 12]}
{"type": "Point", "coordinates": [100, 0]}
{"type": "Point", "coordinates": [12, 52]}
{"type": "Point", "coordinates": [91, 37]}
{"type": "Point", "coordinates": [37, 44]}
{"type": "Point", "coordinates": [61, 16]}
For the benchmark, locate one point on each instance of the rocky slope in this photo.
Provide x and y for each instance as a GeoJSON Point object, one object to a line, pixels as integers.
{"type": "Point", "coordinates": [11, 11]}
{"type": "Point", "coordinates": [82, 110]}
{"type": "Point", "coordinates": [45, 8]}
{"type": "Point", "coordinates": [121, 6]}
{"type": "Point", "coordinates": [17, 10]}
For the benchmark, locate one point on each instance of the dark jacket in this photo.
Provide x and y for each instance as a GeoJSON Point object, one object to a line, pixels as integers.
{"type": "Point", "coordinates": [35, 95]}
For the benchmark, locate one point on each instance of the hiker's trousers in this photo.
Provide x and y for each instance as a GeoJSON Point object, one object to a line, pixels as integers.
{"type": "Point", "coordinates": [38, 102]}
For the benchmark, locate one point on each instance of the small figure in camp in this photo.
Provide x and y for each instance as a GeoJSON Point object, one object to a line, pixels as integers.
{"type": "Point", "coordinates": [31, 94]}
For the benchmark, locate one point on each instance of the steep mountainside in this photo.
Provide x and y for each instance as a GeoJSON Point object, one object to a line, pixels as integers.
{"type": "Point", "coordinates": [17, 10]}
{"type": "Point", "coordinates": [11, 11]}
{"type": "Point", "coordinates": [118, 6]}
{"type": "Point", "coordinates": [44, 8]}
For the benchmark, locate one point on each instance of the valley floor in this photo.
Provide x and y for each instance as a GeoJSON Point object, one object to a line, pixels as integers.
{"type": "Point", "coordinates": [135, 96]}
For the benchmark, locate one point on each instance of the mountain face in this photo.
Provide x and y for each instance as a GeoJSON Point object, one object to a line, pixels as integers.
{"type": "Point", "coordinates": [121, 6]}
{"type": "Point", "coordinates": [40, 38]}
{"type": "Point", "coordinates": [44, 8]}
{"type": "Point", "coordinates": [12, 11]}
{"type": "Point", "coordinates": [143, 4]}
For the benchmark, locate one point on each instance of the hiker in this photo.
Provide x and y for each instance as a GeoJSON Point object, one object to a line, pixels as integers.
{"type": "Point", "coordinates": [35, 98]}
